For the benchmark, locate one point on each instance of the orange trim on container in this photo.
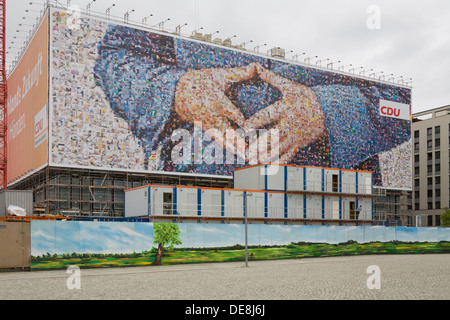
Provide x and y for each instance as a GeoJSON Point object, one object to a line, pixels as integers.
{"type": "Point", "coordinates": [30, 218]}
{"type": "Point", "coordinates": [296, 166]}
{"type": "Point", "coordinates": [310, 193]}
{"type": "Point", "coordinates": [141, 187]}
{"type": "Point", "coordinates": [203, 188]}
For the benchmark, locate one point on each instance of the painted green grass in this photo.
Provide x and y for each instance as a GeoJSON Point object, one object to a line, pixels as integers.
{"type": "Point", "coordinates": [237, 253]}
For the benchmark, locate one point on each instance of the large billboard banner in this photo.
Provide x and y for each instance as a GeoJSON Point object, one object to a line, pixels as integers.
{"type": "Point", "coordinates": [130, 99]}
{"type": "Point", "coordinates": [28, 108]}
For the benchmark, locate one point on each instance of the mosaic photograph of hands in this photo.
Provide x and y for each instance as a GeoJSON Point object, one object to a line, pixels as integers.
{"type": "Point", "coordinates": [157, 83]}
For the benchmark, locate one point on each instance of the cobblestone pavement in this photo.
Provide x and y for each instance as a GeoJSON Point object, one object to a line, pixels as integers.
{"type": "Point", "coordinates": [405, 277]}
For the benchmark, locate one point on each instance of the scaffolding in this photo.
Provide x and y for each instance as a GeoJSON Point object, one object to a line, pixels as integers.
{"type": "Point", "coordinates": [96, 193]}
{"type": "Point", "coordinates": [392, 207]}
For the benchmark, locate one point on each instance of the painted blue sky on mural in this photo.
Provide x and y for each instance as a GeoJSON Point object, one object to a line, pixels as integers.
{"type": "Point", "coordinates": [127, 237]}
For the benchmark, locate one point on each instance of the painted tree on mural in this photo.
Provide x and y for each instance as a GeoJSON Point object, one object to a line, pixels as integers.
{"type": "Point", "coordinates": [166, 235]}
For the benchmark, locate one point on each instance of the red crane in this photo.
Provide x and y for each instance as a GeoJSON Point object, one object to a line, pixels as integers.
{"type": "Point", "coordinates": [3, 98]}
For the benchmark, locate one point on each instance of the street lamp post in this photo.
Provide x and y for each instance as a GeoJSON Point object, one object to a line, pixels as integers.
{"type": "Point", "coordinates": [246, 228]}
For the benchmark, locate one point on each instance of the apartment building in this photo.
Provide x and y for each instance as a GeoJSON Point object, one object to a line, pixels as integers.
{"type": "Point", "coordinates": [431, 163]}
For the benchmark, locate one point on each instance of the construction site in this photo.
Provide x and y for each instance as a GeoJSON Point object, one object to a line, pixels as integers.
{"type": "Point", "coordinates": [103, 133]}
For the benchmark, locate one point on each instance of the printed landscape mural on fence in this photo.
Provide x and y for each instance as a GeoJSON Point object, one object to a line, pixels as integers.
{"type": "Point", "coordinates": [58, 244]}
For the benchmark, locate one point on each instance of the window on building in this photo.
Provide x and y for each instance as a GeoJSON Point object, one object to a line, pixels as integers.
{"type": "Point", "coordinates": [437, 218]}
{"type": "Point", "coordinates": [429, 220]}
{"type": "Point", "coordinates": [429, 131]}
{"type": "Point", "coordinates": [438, 205]}
{"type": "Point", "coordinates": [437, 168]}
{"type": "Point", "coordinates": [429, 144]}
{"type": "Point", "coordinates": [437, 143]}
{"type": "Point", "coordinates": [429, 169]}
{"type": "Point", "coordinates": [429, 156]}
{"type": "Point", "coordinates": [437, 129]}
{"type": "Point", "coordinates": [430, 182]}
{"type": "Point", "coordinates": [416, 158]}
{"type": "Point", "coordinates": [430, 205]}
{"type": "Point", "coordinates": [430, 193]}
{"type": "Point", "coordinates": [437, 155]}
{"type": "Point", "coordinates": [437, 181]}
{"type": "Point", "coordinates": [335, 183]}
{"type": "Point", "coordinates": [416, 134]}
{"type": "Point", "coordinates": [416, 146]}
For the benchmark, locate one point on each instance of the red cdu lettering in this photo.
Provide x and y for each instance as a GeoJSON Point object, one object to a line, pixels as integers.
{"type": "Point", "coordinates": [388, 111]}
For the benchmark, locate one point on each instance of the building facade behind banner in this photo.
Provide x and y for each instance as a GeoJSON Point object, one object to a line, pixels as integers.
{"type": "Point", "coordinates": [431, 194]}
{"type": "Point", "coordinates": [117, 95]}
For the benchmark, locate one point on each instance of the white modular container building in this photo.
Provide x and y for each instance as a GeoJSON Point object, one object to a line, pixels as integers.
{"type": "Point", "coordinates": [264, 193]}
{"type": "Point", "coordinates": [198, 202]}
{"type": "Point", "coordinates": [301, 178]}
{"type": "Point", "coordinates": [324, 193]}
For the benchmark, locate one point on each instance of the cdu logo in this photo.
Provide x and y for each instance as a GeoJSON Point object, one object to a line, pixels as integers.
{"type": "Point", "coordinates": [395, 110]}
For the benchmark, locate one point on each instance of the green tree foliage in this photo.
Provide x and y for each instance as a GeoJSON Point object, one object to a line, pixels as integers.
{"type": "Point", "coordinates": [445, 218]}
{"type": "Point", "coordinates": [166, 235]}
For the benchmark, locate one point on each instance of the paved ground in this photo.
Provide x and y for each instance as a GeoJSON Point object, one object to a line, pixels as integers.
{"type": "Point", "coordinates": [405, 277]}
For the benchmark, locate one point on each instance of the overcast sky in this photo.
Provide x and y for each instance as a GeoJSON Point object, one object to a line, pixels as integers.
{"type": "Point", "coordinates": [411, 40]}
